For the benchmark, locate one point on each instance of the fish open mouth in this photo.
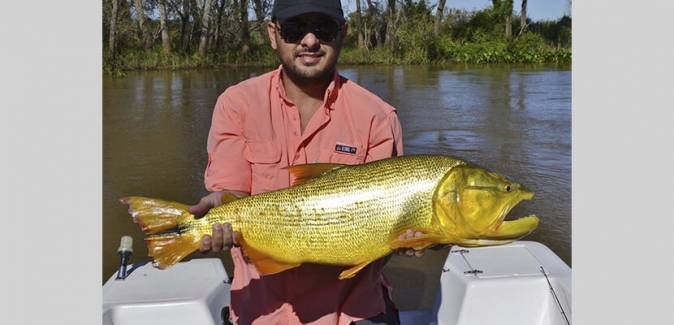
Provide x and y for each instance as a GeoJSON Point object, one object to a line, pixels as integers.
{"type": "Point", "coordinates": [505, 231]}
{"type": "Point", "coordinates": [514, 229]}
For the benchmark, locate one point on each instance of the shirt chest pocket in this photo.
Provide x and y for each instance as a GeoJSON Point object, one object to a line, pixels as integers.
{"type": "Point", "coordinates": [264, 158]}
{"type": "Point", "coordinates": [351, 155]}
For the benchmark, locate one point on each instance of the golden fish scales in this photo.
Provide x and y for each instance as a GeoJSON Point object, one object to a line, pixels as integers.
{"type": "Point", "coordinates": [339, 218]}
{"type": "Point", "coordinates": [338, 214]}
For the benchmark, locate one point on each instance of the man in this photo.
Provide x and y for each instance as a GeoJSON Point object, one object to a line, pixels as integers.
{"type": "Point", "coordinates": [302, 112]}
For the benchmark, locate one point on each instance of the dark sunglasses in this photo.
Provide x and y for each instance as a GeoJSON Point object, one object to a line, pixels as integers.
{"type": "Point", "coordinates": [293, 30]}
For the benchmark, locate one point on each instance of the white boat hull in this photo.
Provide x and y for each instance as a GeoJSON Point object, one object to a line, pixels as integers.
{"type": "Point", "coordinates": [192, 292]}
{"type": "Point", "coordinates": [484, 285]}
{"type": "Point", "coordinates": [503, 285]}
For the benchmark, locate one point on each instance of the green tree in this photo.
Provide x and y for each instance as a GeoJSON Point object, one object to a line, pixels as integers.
{"type": "Point", "coordinates": [198, 33]}
{"type": "Point", "coordinates": [112, 41]}
{"type": "Point", "coordinates": [390, 24]}
{"type": "Point", "coordinates": [205, 25]}
{"type": "Point", "coordinates": [503, 10]}
{"type": "Point", "coordinates": [523, 17]}
{"type": "Point", "coordinates": [165, 38]}
{"type": "Point", "coordinates": [143, 28]}
{"type": "Point", "coordinates": [438, 16]}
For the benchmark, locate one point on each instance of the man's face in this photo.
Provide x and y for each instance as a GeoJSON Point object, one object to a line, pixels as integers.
{"type": "Point", "coordinates": [307, 45]}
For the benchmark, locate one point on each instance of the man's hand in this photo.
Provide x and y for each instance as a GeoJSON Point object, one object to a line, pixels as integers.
{"type": "Point", "coordinates": [222, 240]}
{"type": "Point", "coordinates": [206, 203]}
{"type": "Point", "coordinates": [410, 251]}
{"type": "Point", "coordinates": [223, 237]}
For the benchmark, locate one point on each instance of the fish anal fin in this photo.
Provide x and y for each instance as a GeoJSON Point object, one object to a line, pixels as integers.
{"type": "Point", "coordinates": [167, 250]}
{"type": "Point", "coordinates": [264, 263]}
{"type": "Point", "coordinates": [306, 172]}
{"type": "Point", "coordinates": [351, 272]}
{"type": "Point", "coordinates": [417, 242]}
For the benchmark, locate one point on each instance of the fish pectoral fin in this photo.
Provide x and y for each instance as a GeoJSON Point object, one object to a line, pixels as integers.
{"type": "Point", "coordinates": [418, 243]}
{"type": "Point", "coordinates": [228, 197]}
{"type": "Point", "coordinates": [306, 172]}
{"type": "Point", "coordinates": [264, 263]}
{"type": "Point", "coordinates": [351, 272]}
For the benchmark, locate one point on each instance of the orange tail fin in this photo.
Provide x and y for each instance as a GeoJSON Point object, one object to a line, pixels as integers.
{"type": "Point", "coordinates": [167, 250]}
{"type": "Point", "coordinates": [167, 243]}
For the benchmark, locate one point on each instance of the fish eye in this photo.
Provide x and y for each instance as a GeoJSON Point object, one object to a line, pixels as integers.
{"type": "Point", "coordinates": [508, 188]}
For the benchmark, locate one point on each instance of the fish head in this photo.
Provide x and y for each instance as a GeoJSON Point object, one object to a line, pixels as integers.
{"type": "Point", "coordinates": [471, 204]}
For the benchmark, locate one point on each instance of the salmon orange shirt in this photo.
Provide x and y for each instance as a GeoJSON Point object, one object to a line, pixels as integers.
{"type": "Point", "coordinates": [255, 132]}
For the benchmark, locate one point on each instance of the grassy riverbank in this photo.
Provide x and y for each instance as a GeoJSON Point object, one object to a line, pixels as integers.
{"type": "Point", "coordinates": [530, 48]}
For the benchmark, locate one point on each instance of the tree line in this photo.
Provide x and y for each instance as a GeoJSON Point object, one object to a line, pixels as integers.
{"type": "Point", "coordinates": [193, 33]}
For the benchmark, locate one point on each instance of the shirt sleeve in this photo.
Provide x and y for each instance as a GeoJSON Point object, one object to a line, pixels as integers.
{"type": "Point", "coordinates": [227, 167]}
{"type": "Point", "coordinates": [386, 138]}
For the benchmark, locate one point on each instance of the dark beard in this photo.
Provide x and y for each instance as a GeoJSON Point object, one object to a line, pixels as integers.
{"type": "Point", "coordinates": [301, 79]}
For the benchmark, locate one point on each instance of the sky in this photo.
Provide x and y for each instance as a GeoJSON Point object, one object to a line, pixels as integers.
{"type": "Point", "coordinates": [537, 10]}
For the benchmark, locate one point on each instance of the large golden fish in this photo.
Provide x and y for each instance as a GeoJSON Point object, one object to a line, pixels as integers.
{"type": "Point", "coordinates": [348, 215]}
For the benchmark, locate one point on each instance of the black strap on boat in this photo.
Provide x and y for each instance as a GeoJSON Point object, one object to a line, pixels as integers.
{"type": "Point", "coordinates": [555, 296]}
{"type": "Point", "coordinates": [472, 270]}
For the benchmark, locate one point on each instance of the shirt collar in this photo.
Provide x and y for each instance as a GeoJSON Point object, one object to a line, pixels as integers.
{"type": "Point", "coordinates": [330, 93]}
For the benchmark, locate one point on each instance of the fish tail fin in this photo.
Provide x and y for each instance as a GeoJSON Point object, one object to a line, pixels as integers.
{"type": "Point", "coordinates": [167, 250]}
{"type": "Point", "coordinates": [155, 215]}
{"type": "Point", "coordinates": [168, 239]}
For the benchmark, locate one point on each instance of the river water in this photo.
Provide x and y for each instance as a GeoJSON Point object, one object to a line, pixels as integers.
{"type": "Point", "coordinates": [514, 119]}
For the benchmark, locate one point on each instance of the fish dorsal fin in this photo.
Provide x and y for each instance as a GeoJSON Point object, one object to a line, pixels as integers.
{"type": "Point", "coordinates": [264, 263]}
{"type": "Point", "coordinates": [228, 197]}
{"type": "Point", "coordinates": [306, 172]}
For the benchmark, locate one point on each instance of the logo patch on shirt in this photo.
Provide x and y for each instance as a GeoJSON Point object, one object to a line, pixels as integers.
{"type": "Point", "coordinates": [345, 148]}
